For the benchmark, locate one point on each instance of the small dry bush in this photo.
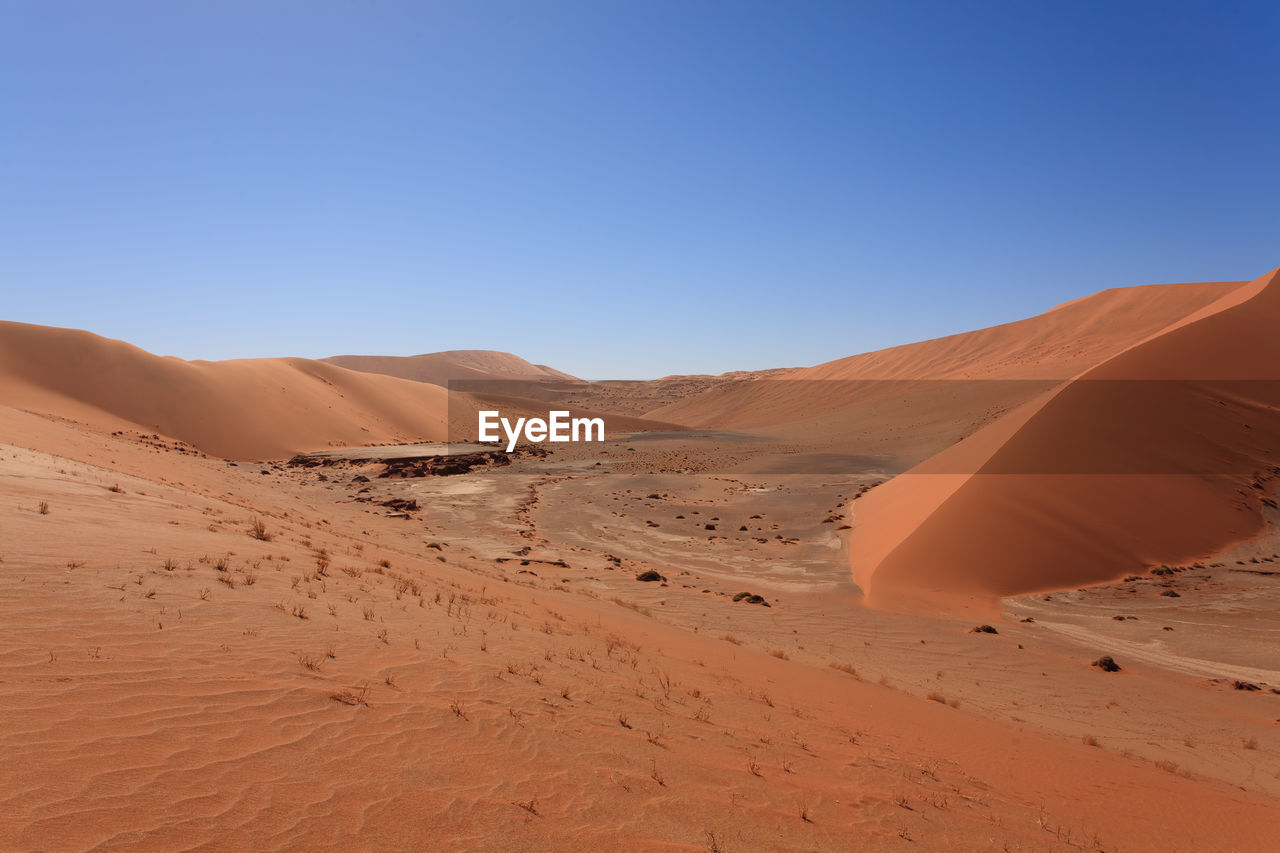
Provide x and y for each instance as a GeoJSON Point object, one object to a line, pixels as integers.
{"type": "Point", "coordinates": [258, 530]}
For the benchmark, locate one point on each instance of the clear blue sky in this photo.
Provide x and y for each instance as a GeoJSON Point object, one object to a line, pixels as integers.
{"type": "Point", "coordinates": [621, 188]}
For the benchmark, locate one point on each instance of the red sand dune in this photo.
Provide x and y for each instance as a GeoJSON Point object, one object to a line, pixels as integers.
{"type": "Point", "coordinates": [243, 409]}
{"type": "Point", "coordinates": [907, 403]}
{"type": "Point", "coordinates": [439, 368]}
{"type": "Point", "coordinates": [1115, 471]}
{"type": "Point", "coordinates": [1057, 344]}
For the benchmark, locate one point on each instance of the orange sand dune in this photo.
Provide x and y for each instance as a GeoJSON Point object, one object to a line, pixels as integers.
{"type": "Point", "coordinates": [904, 404]}
{"type": "Point", "coordinates": [440, 368]}
{"type": "Point", "coordinates": [243, 409]}
{"type": "Point", "coordinates": [1055, 345]}
{"type": "Point", "coordinates": [1158, 454]}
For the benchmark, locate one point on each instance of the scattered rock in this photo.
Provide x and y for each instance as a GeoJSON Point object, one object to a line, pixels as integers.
{"type": "Point", "coordinates": [1107, 664]}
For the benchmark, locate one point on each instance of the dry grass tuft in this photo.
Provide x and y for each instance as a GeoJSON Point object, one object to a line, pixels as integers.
{"type": "Point", "coordinates": [258, 530]}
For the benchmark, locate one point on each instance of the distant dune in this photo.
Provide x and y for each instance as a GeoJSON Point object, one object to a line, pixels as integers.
{"type": "Point", "coordinates": [244, 409]}
{"type": "Point", "coordinates": [909, 402]}
{"type": "Point", "coordinates": [439, 368]}
{"type": "Point", "coordinates": [1161, 453]}
{"type": "Point", "coordinates": [1057, 344]}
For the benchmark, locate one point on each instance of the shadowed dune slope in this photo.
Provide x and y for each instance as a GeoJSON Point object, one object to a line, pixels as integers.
{"type": "Point", "coordinates": [439, 368]}
{"type": "Point", "coordinates": [243, 409]}
{"type": "Point", "coordinates": [1160, 454]}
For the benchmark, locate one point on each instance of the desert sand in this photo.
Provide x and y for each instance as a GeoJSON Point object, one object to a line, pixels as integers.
{"type": "Point", "coordinates": [845, 607]}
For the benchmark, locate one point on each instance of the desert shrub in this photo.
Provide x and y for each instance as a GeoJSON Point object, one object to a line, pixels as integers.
{"type": "Point", "coordinates": [258, 530]}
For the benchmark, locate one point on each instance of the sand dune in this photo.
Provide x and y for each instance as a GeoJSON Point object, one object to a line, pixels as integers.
{"type": "Point", "coordinates": [905, 404]}
{"type": "Point", "coordinates": [1160, 454]}
{"type": "Point", "coordinates": [1055, 345]}
{"type": "Point", "coordinates": [243, 409]}
{"type": "Point", "coordinates": [439, 368]}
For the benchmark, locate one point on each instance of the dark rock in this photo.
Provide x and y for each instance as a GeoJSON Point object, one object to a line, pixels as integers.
{"type": "Point", "coordinates": [1106, 664]}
